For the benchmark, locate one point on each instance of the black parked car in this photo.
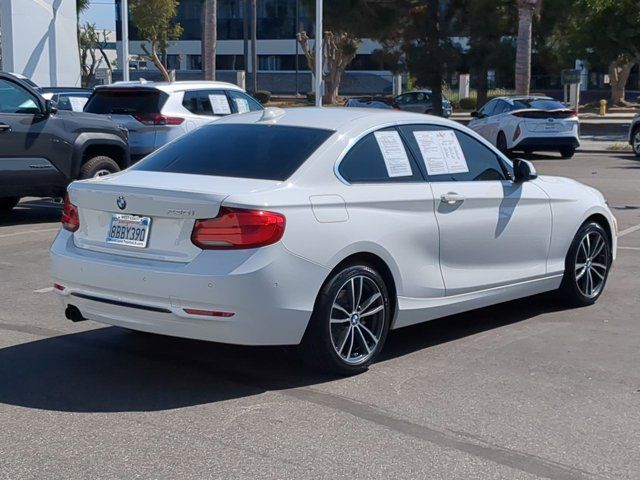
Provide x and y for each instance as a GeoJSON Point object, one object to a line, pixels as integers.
{"type": "Point", "coordinates": [43, 149]}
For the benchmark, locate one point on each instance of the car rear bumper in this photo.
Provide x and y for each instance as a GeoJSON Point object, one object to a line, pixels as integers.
{"type": "Point", "coordinates": [269, 291]}
{"type": "Point", "coordinates": [547, 143]}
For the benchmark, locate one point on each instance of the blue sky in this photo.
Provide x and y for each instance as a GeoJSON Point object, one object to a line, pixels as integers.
{"type": "Point", "coordinates": [102, 13]}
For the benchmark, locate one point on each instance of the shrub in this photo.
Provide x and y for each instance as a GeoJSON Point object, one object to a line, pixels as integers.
{"type": "Point", "coordinates": [468, 103]}
{"type": "Point", "coordinates": [263, 96]}
{"type": "Point", "coordinates": [311, 98]}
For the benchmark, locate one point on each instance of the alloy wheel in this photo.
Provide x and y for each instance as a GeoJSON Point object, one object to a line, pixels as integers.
{"type": "Point", "coordinates": [357, 319]}
{"type": "Point", "coordinates": [592, 264]}
{"type": "Point", "coordinates": [636, 142]}
{"type": "Point", "coordinates": [102, 173]}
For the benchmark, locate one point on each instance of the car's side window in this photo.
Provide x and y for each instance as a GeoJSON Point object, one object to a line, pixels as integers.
{"type": "Point", "coordinates": [14, 99]}
{"type": "Point", "coordinates": [489, 109]}
{"type": "Point", "coordinates": [453, 156]}
{"type": "Point", "coordinates": [241, 102]}
{"type": "Point", "coordinates": [207, 102]}
{"type": "Point", "coordinates": [380, 158]}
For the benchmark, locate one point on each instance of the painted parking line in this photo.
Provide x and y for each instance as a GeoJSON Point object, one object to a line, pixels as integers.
{"type": "Point", "coordinates": [629, 248]}
{"type": "Point", "coordinates": [629, 230]}
{"type": "Point", "coordinates": [26, 232]}
{"type": "Point", "coordinates": [44, 290]}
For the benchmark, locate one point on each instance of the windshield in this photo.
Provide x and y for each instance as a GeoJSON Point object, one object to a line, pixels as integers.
{"type": "Point", "coordinates": [268, 152]}
{"type": "Point", "coordinates": [538, 104]}
{"type": "Point", "coordinates": [127, 102]}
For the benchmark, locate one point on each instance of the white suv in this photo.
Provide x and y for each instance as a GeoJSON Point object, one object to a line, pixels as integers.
{"type": "Point", "coordinates": [157, 112]}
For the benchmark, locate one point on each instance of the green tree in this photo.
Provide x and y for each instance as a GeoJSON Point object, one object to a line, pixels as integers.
{"type": "Point", "coordinates": [487, 35]}
{"type": "Point", "coordinates": [155, 21]}
{"type": "Point", "coordinates": [427, 28]}
{"type": "Point", "coordinates": [346, 22]}
{"type": "Point", "coordinates": [606, 33]}
{"type": "Point", "coordinates": [92, 44]}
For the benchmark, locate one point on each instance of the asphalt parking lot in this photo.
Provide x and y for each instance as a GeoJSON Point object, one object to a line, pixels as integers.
{"type": "Point", "coordinates": [522, 390]}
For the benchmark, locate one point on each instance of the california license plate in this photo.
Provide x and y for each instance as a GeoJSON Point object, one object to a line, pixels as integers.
{"type": "Point", "coordinates": [550, 127]}
{"type": "Point", "coordinates": [130, 230]}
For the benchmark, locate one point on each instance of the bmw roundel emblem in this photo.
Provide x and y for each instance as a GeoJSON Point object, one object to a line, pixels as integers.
{"type": "Point", "coordinates": [121, 202]}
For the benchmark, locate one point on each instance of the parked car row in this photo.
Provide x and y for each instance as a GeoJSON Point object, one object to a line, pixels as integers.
{"type": "Point", "coordinates": [52, 136]}
{"type": "Point", "coordinates": [419, 101]}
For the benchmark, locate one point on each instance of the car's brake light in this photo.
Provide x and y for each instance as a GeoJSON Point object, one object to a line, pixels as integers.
{"type": "Point", "coordinates": [517, 133]}
{"type": "Point", "coordinates": [238, 228]}
{"type": "Point", "coordinates": [70, 219]}
{"type": "Point", "coordinates": [157, 119]}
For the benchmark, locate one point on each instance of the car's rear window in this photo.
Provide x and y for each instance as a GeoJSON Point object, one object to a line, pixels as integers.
{"type": "Point", "coordinates": [540, 104]}
{"type": "Point", "coordinates": [126, 102]}
{"type": "Point", "coordinates": [268, 152]}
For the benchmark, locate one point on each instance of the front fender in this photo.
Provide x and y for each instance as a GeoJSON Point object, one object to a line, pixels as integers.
{"type": "Point", "coordinates": [88, 139]}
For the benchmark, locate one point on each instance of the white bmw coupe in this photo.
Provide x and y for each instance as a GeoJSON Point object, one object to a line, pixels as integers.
{"type": "Point", "coordinates": [324, 228]}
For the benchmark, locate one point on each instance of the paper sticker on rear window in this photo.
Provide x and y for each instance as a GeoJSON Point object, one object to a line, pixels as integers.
{"type": "Point", "coordinates": [394, 154]}
{"type": "Point", "coordinates": [219, 104]}
{"type": "Point", "coordinates": [441, 152]}
{"type": "Point", "coordinates": [242, 105]}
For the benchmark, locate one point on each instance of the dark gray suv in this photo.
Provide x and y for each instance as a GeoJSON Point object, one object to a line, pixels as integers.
{"type": "Point", "coordinates": [43, 149]}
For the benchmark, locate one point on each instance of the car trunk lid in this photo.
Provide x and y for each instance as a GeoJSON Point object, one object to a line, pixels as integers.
{"type": "Point", "coordinates": [171, 202]}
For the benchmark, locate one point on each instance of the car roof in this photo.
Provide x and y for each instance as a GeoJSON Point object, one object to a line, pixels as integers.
{"type": "Point", "coordinates": [335, 118]}
{"type": "Point", "coordinates": [513, 98]}
{"type": "Point", "coordinates": [169, 87]}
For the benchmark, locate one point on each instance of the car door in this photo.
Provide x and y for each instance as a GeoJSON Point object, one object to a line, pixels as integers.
{"type": "Point", "coordinates": [492, 231]}
{"type": "Point", "coordinates": [479, 124]}
{"type": "Point", "coordinates": [493, 124]}
{"type": "Point", "coordinates": [32, 156]}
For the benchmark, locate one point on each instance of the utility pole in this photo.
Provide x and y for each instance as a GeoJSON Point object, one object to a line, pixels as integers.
{"type": "Point", "coordinates": [254, 42]}
{"type": "Point", "coordinates": [124, 24]}
{"type": "Point", "coordinates": [318, 54]}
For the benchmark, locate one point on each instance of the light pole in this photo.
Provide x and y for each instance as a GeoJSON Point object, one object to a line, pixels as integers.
{"type": "Point", "coordinates": [319, 39]}
{"type": "Point", "coordinates": [124, 25]}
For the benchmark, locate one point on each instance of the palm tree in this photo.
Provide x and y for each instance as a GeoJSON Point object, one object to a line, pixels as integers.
{"type": "Point", "coordinates": [81, 6]}
{"type": "Point", "coordinates": [209, 38]}
{"type": "Point", "coordinates": [526, 11]}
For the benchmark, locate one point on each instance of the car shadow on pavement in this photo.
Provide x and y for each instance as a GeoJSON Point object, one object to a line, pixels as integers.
{"type": "Point", "coordinates": [115, 370]}
{"type": "Point", "coordinates": [32, 212]}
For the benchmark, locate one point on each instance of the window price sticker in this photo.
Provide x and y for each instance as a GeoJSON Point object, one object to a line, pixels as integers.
{"type": "Point", "coordinates": [441, 152]}
{"type": "Point", "coordinates": [394, 154]}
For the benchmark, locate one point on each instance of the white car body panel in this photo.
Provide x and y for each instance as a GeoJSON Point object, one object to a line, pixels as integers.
{"type": "Point", "coordinates": [507, 241]}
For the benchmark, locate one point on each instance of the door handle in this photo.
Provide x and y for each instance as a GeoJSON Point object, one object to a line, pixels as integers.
{"type": "Point", "coordinates": [451, 198]}
{"type": "Point", "coordinates": [4, 127]}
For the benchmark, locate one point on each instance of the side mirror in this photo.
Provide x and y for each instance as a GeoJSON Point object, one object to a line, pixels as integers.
{"type": "Point", "coordinates": [50, 107]}
{"type": "Point", "coordinates": [475, 114]}
{"type": "Point", "coordinates": [523, 170]}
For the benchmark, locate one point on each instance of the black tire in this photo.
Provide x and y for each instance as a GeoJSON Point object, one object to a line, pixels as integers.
{"type": "Point", "coordinates": [568, 152]}
{"type": "Point", "coordinates": [635, 141]}
{"type": "Point", "coordinates": [501, 144]}
{"type": "Point", "coordinates": [576, 278]}
{"type": "Point", "coordinates": [98, 166]}
{"type": "Point", "coordinates": [319, 347]}
{"type": "Point", "coordinates": [7, 204]}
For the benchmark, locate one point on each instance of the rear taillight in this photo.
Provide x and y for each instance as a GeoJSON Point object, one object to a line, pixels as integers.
{"type": "Point", "coordinates": [157, 119]}
{"type": "Point", "coordinates": [517, 133]}
{"type": "Point", "coordinates": [70, 219]}
{"type": "Point", "coordinates": [238, 228]}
